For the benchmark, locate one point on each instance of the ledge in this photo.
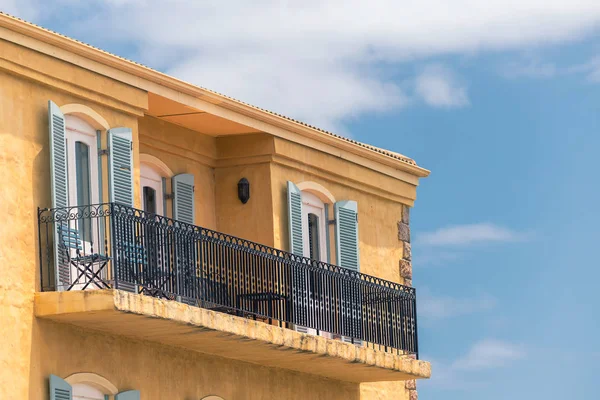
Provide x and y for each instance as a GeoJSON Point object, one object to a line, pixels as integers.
{"type": "Point", "coordinates": [224, 335]}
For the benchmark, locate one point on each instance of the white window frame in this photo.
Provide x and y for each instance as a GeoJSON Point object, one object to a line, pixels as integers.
{"type": "Point", "coordinates": [80, 131]}
{"type": "Point", "coordinates": [149, 176]}
{"type": "Point", "coordinates": [311, 204]}
{"type": "Point", "coordinates": [84, 391]}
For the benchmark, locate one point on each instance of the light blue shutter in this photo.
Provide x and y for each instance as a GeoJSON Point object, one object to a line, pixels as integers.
{"type": "Point", "coordinates": [346, 234]}
{"type": "Point", "coordinates": [128, 395]}
{"type": "Point", "coordinates": [120, 166]}
{"type": "Point", "coordinates": [59, 188]}
{"type": "Point", "coordinates": [346, 237]}
{"type": "Point", "coordinates": [58, 156]}
{"type": "Point", "coordinates": [183, 203]}
{"type": "Point", "coordinates": [60, 389]}
{"type": "Point", "coordinates": [294, 197]}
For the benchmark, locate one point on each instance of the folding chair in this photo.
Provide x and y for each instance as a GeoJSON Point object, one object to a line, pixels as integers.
{"type": "Point", "coordinates": [84, 263]}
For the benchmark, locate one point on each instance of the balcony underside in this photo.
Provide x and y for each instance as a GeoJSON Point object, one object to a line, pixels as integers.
{"type": "Point", "coordinates": [176, 324]}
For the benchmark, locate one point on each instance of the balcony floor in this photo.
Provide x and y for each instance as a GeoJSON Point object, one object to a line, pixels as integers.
{"type": "Point", "coordinates": [176, 324]}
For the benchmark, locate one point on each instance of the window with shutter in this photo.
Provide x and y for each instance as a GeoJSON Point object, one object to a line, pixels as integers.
{"type": "Point", "coordinates": [152, 189]}
{"type": "Point", "coordinates": [294, 196]}
{"type": "Point", "coordinates": [59, 186]}
{"type": "Point", "coordinates": [120, 166]}
{"type": "Point", "coordinates": [60, 389]}
{"type": "Point", "coordinates": [183, 202]}
{"type": "Point", "coordinates": [346, 234]}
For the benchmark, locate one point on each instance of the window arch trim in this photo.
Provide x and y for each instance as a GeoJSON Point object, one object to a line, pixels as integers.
{"type": "Point", "coordinates": [318, 190]}
{"type": "Point", "coordinates": [157, 163]}
{"type": "Point", "coordinates": [94, 380]}
{"type": "Point", "coordinates": [87, 114]}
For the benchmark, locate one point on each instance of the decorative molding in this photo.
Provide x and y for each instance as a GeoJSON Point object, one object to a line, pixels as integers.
{"type": "Point", "coordinates": [157, 163]}
{"type": "Point", "coordinates": [94, 380]}
{"type": "Point", "coordinates": [318, 190]}
{"type": "Point", "coordinates": [87, 114]}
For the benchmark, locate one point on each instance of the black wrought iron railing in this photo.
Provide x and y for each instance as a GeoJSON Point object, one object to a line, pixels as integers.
{"type": "Point", "coordinates": [115, 246]}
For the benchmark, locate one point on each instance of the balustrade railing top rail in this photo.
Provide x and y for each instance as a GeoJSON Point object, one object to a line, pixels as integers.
{"type": "Point", "coordinates": [114, 246]}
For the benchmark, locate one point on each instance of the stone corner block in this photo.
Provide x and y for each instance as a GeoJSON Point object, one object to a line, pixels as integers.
{"type": "Point", "coordinates": [411, 384]}
{"type": "Point", "coordinates": [406, 251]}
{"type": "Point", "coordinates": [405, 269]}
{"type": "Point", "coordinates": [413, 395]}
{"type": "Point", "coordinates": [403, 232]}
{"type": "Point", "coordinates": [406, 214]}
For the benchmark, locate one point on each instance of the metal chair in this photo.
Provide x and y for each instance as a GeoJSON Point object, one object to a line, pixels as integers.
{"type": "Point", "coordinates": [84, 263]}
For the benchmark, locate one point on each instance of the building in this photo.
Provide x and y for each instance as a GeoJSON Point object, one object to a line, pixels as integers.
{"type": "Point", "coordinates": [163, 241]}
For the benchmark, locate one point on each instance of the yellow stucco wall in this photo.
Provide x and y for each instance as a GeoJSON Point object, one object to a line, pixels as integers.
{"type": "Point", "coordinates": [33, 349]}
{"type": "Point", "coordinates": [378, 212]}
{"type": "Point", "coordinates": [184, 152]}
{"type": "Point", "coordinates": [245, 157]}
{"type": "Point", "coordinates": [162, 372]}
{"type": "Point", "coordinates": [24, 162]}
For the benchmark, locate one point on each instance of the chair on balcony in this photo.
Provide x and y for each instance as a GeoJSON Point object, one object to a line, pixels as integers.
{"type": "Point", "coordinates": [88, 266]}
{"type": "Point", "coordinates": [139, 272]}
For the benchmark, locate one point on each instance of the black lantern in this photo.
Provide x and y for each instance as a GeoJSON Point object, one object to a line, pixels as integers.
{"type": "Point", "coordinates": [244, 190]}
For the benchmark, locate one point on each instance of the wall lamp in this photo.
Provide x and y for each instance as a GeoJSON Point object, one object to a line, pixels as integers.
{"type": "Point", "coordinates": [244, 190]}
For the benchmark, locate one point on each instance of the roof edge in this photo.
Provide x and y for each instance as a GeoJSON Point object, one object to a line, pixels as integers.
{"type": "Point", "coordinates": [139, 70]}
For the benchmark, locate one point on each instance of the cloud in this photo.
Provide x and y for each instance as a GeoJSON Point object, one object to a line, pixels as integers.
{"type": "Point", "coordinates": [489, 353]}
{"type": "Point", "coordinates": [531, 69]}
{"type": "Point", "coordinates": [465, 373]}
{"type": "Point", "coordinates": [442, 307]}
{"type": "Point", "coordinates": [438, 87]}
{"type": "Point", "coordinates": [463, 235]}
{"type": "Point", "coordinates": [322, 62]}
{"type": "Point", "coordinates": [591, 69]}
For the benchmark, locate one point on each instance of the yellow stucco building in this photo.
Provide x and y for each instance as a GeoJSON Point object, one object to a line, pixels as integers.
{"type": "Point", "coordinates": [163, 241]}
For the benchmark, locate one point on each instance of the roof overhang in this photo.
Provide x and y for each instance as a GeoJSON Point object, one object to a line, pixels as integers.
{"type": "Point", "coordinates": [243, 117]}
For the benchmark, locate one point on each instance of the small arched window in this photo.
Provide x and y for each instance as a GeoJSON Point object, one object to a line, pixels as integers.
{"type": "Point", "coordinates": [88, 386]}
{"type": "Point", "coordinates": [152, 189]}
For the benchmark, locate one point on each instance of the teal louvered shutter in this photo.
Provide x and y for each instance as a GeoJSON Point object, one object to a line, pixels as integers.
{"type": "Point", "coordinates": [120, 166]}
{"type": "Point", "coordinates": [346, 238]}
{"type": "Point", "coordinates": [59, 189]}
{"type": "Point", "coordinates": [128, 395]}
{"type": "Point", "coordinates": [183, 201]}
{"type": "Point", "coordinates": [60, 389]}
{"type": "Point", "coordinates": [346, 234]}
{"type": "Point", "coordinates": [294, 198]}
{"type": "Point", "coordinates": [58, 156]}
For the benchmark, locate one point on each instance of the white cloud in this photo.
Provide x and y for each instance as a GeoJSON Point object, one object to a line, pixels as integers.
{"type": "Point", "coordinates": [462, 235]}
{"type": "Point", "coordinates": [441, 307]}
{"type": "Point", "coordinates": [438, 87]}
{"type": "Point", "coordinates": [466, 372]}
{"type": "Point", "coordinates": [591, 69]}
{"type": "Point", "coordinates": [530, 69]}
{"type": "Point", "coordinates": [318, 60]}
{"type": "Point", "coordinates": [489, 353]}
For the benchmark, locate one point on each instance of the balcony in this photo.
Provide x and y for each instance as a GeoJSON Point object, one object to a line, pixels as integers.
{"type": "Point", "coordinates": [136, 262]}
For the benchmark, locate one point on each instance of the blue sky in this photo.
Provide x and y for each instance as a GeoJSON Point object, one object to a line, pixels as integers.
{"type": "Point", "coordinates": [499, 99]}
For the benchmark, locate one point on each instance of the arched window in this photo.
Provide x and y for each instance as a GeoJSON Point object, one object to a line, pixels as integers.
{"type": "Point", "coordinates": [314, 227]}
{"type": "Point", "coordinates": [82, 168]}
{"type": "Point", "coordinates": [154, 175]}
{"type": "Point", "coordinates": [87, 386]}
